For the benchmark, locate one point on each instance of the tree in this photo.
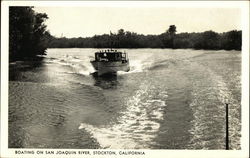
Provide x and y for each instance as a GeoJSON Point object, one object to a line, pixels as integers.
{"type": "Point", "coordinates": [171, 31]}
{"type": "Point", "coordinates": [121, 32]}
{"type": "Point", "coordinates": [207, 40]}
{"type": "Point", "coordinates": [27, 33]}
{"type": "Point", "coordinates": [231, 40]}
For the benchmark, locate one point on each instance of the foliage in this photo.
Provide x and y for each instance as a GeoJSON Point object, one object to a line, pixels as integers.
{"type": "Point", "coordinates": [27, 33]}
{"type": "Point", "coordinates": [207, 40]}
{"type": "Point", "coordinates": [169, 39]}
{"type": "Point", "coordinates": [231, 40]}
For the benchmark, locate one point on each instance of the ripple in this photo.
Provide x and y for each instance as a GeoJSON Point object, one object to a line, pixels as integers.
{"type": "Point", "coordinates": [137, 124]}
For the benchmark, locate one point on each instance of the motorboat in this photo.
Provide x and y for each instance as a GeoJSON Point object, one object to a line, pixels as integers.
{"type": "Point", "coordinates": [110, 61]}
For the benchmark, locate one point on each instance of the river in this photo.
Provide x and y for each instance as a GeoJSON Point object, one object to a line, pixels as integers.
{"type": "Point", "coordinates": [170, 99]}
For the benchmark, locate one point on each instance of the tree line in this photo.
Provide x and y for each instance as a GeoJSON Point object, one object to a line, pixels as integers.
{"type": "Point", "coordinates": [126, 39]}
{"type": "Point", "coordinates": [28, 37]}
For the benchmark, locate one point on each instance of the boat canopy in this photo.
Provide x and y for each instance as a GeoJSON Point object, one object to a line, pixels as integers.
{"type": "Point", "coordinates": [110, 55]}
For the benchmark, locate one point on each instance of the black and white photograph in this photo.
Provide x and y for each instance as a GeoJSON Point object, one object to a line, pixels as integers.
{"type": "Point", "coordinates": [124, 78]}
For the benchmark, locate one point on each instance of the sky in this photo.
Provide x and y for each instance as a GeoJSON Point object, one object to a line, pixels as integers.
{"type": "Point", "coordinates": [89, 21]}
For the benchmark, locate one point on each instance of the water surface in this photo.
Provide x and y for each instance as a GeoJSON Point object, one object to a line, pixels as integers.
{"type": "Point", "coordinates": [171, 99]}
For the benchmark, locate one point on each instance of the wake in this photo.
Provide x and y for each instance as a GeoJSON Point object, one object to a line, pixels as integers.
{"type": "Point", "coordinates": [137, 125]}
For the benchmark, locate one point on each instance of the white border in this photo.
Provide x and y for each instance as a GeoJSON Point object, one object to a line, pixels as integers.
{"type": "Point", "coordinates": [147, 4]}
{"type": "Point", "coordinates": [243, 5]}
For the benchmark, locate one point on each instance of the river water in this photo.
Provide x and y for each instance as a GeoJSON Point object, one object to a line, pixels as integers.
{"type": "Point", "coordinates": [171, 99]}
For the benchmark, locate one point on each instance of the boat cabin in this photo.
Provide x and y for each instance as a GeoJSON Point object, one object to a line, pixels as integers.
{"type": "Point", "coordinates": [111, 55]}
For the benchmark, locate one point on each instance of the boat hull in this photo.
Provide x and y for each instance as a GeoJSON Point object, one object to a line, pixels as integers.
{"type": "Point", "coordinates": [104, 67]}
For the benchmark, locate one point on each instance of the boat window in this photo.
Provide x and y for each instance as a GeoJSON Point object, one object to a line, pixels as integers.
{"type": "Point", "coordinates": [110, 56]}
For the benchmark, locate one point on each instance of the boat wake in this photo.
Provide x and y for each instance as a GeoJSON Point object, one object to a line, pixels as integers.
{"type": "Point", "coordinates": [84, 67]}
{"type": "Point", "coordinates": [146, 62]}
{"type": "Point", "coordinates": [137, 125]}
{"type": "Point", "coordinates": [209, 100]}
{"type": "Point", "coordinates": [77, 65]}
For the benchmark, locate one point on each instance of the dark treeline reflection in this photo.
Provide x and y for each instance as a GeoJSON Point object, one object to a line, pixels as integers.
{"type": "Point", "coordinates": [169, 39]}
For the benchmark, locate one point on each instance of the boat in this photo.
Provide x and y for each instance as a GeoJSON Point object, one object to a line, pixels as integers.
{"type": "Point", "coordinates": [110, 61]}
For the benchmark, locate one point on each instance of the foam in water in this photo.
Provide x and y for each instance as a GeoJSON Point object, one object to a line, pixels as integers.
{"type": "Point", "coordinates": [203, 98]}
{"type": "Point", "coordinates": [81, 66]}
{"type": "Point", "coordinates": [136, 126]}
